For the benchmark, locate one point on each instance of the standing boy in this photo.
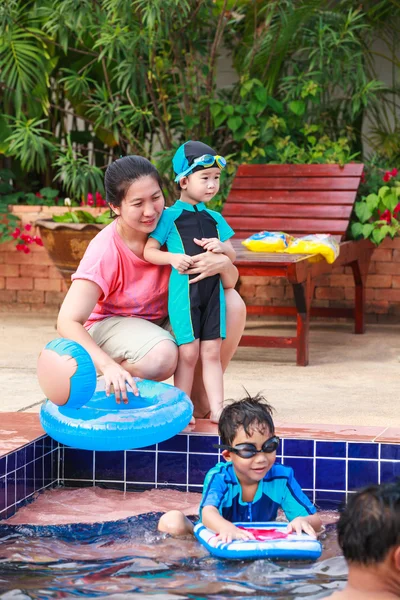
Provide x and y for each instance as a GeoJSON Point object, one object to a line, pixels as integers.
{"type": "Point", "coordinates": [196, 306]}
{"type": "Point", "coordinates": [248, 486]}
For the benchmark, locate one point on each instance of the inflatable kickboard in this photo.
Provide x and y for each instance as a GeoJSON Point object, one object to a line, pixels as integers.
{"type": "Point", "coordinates": [271, 541]}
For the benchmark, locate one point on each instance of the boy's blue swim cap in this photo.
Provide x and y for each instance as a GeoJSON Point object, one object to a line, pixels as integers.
{"type": "Point", "coordinates": [186, 155]}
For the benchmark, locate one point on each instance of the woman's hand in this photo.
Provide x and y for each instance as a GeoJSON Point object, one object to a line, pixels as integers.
{"type": "Point", "coordinates": [116, 379]}
{"type": "Point", "coordinates": [207, 264]}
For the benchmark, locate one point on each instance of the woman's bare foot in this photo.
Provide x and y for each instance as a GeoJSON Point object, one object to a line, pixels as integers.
{"type": "Point", "coordinates": [192, 421]}
{"type": "Point", "coordinates": [214, 416]}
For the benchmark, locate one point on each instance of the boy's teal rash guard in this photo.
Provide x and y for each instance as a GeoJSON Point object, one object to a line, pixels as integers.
{"type": "Point", "coordinates": [196, 311]}
{"type": "Point", "coordinates": [278, 489]}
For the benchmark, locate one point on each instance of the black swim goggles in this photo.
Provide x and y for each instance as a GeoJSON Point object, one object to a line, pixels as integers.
{"type": "Point", "coordinates": [249, 450]}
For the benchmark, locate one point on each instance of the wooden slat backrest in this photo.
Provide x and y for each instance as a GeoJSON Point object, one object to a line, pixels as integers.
{"type": "Point", "coordinates": [297, 199]}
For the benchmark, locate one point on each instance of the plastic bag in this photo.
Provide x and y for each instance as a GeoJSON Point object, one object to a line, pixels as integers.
{"type": "Point", "coordinates": [267, 241]}
{"type": "Point", "coordinates": [317, 243]}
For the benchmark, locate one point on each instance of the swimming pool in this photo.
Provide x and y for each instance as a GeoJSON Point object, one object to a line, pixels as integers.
{"type": "Point", "coordinates": [128, 557]}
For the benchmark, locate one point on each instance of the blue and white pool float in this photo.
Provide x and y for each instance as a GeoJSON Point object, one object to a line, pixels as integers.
{"type": "Point", "coordinates": [290, 547]}
{"type": "Point", "coordinates": [94, 421]}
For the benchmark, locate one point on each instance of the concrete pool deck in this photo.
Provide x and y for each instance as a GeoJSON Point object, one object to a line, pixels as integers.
{"type": "Point", "coordinates": [351, 380]}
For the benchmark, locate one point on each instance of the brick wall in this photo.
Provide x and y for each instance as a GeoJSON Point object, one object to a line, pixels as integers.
{"type": "Point", "coordinates": [30, 282]}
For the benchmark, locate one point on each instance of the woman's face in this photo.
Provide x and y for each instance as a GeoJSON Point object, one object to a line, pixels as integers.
{"type": "Point", "coordinates": [142, 206]}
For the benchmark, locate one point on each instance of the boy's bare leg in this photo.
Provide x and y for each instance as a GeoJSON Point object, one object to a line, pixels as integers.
{"type": "Point", "coordinates": [213, 377]}
{"type": "Point", "coordinates": [174, 522]}
{"type": "Point", "coordinates": [188, 355]}
{"type": "Point", "coordinates": [235, 322]}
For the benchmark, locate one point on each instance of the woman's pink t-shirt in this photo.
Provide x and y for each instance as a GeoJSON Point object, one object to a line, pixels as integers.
{"type": "Point", "coordinates": [131, 287]}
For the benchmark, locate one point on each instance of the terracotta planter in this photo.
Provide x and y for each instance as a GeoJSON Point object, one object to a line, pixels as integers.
{"type": "Point", "coordinates": [66, 243]}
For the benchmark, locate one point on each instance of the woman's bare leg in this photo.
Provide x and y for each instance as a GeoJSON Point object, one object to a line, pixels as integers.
{"type": "Point", "coordinates": [158, 364]}
{"type": "Point", "coordinates": [235, 322]}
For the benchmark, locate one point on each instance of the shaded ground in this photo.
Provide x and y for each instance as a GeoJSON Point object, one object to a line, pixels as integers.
{"type": "Point", "coordinates": [350, 380]}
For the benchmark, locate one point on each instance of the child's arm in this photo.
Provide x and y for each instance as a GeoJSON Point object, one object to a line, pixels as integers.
{"type": "Point", "coordinates": [225, 530]}
{"type": "Point", "coordinates": [311, 525]}
{"type": "Point", "coordinates": [154, 255]}
{"type": "Point", "coordinates": [215, 245]}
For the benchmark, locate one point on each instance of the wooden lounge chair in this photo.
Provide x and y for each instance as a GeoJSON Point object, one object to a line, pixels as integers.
{"type": "Point", "coordinates": [297, 199]}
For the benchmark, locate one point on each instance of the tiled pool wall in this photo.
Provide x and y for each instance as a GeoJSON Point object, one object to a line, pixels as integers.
{"type": "Point", "coordinates": [327, 470]}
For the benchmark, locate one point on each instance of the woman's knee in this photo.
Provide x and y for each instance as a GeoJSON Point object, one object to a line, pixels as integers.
{"type": "Point", "coordinates": [160, 363]}
{"type": "Point", "coordinates": [174, 522]}
{"type": "Point", "coordinates": [235, 306]}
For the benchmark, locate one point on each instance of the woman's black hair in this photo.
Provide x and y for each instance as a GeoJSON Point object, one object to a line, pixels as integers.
{"type": "Point", "coordinates": [369, 525]}
{"type": "Point", "coordinates": [252, 412]}
{"type": "Point", "coordinates": [123, 172]}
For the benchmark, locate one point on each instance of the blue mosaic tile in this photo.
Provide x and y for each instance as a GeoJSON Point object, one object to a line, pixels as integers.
{"type": "Point", "coordinates": [10, 498]}
{"type": "Point", "coordinates": [47, 469]}
{"type": "Point", "coordinates": [330, 500]}
{"type": "Point", "coordinates": [390, 471]}
{"type": "Point", "coordinates": [362, 473]}
{"type": "Point", "coordinates": [309, 494]}
{"type": "Point", "coordinates": [331, 449]}
{"type": "Point", "coordinates": [10, 511]}
{"type": "Point", "coordinates": [78, 464]}
{"type": "Point", "coordinates": [139, 487]}
{"type": "Point", "coordinates": [298, 448]}
{"type": "Point", "coordinates": [390, 451]}
{"type": "Point", "coordinates": [199, 465]}
{"type": "Point", "coordinates": [29, 451]}
{"type": "Point", "coordinates": [2, 493]}
{"type": "Point", "coordinates": [178, 443]}
{"type": "Point", "coordinates": [357, 450]}
{"type": "Point", "coordinates": [330, 474]}
{"type": "Point", "coordinates": [30, 478]}
{"type": "Point", "coordinates": [20, 484]}
{"type": "Point", "coordinates": [109, 466]}
{"type": "Point", "coordinates": [203, 444]}
{"type": "Point", "coordinates": [195, 488]}
{"type": "Point", "coordinates": [3, 514]}
{"type": "Point", "coordinates": [10, 462]}
{"type": "Point", "coordinates": [2, 466]}
{"type": "Point", "coordinates": [38, 471]}
{"type": "Point", "coordinates": [20, 458]}
{"type": "Point", "coordinates": [303, 470]}
{"type": "Point", "coordinates": [39, 448]}
{"type": "Point", "coordinates": [171, 468]}
{"type": "Point", "coordinates": [47, 444]}
{"type": "Point", "coordinates": [140, 466]}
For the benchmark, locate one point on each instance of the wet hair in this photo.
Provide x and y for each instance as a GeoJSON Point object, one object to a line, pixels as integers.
{"type": "Point", "coordinates": [369, 525]}
{"type": "Point", "coordinates": [123, 172]}
{"type": "Point", "coordinates": [252, 412]}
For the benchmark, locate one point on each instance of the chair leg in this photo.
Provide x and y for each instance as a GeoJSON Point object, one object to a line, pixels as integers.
{"type": "Point", "coordinates": [360, 272]}
{"type": "Point", "coordinates": [302, 295]}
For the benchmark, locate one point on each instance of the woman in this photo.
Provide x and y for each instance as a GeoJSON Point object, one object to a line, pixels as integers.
{"type": "Point", "coordinates": [117, 304]}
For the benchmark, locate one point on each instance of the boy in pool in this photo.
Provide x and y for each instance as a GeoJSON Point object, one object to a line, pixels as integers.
{"type": "Point", "coordinates": [195, 304]}
{"type": "Point", "coordinates": [248, 486]}
{"type": "Point", "coordinates": [369, 536]}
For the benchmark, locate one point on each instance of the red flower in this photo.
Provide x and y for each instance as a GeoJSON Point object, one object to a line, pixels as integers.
{"type": "Point", "coordinates": [28, 227]}
{"type": "Point", "coordinates": [26, 250]}
{"type": "Point", "coordinates": [363, 179]}
{"type": "Point", "coordinates": [20, 247]}
{"type": "Point", "coordinates": [396, 211]}
{"type": "Point", "coordinates": [90, 201]}
{"type": "Point", "coordinates": [394, 172]}
{"type": "Point", "coordinates": [16, 233]}
{"type": "Point", "coordinates": [38, 241]}
{"type": "Point", "coordinates": [386, 216]}
{"type": "Point", "coordinates": [26, 238]}
{"type": "Point", "coordinates": [89, 198]}
{"type": "Point", "coordinates": [38, 195]}
{"type": "Point", "coordinates": [387, 176]}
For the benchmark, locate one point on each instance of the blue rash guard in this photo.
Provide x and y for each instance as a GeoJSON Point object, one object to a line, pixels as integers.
{"type": "Point", "coordinates": [278, 489]}
{"type": "Point", "coordinates": [196, 311]}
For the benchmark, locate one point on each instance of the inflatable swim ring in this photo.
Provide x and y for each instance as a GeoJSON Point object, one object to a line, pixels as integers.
{"type": "Point", "coordinates": [271, 541]}
{"type": "Point", "coordinates": [160, 412]}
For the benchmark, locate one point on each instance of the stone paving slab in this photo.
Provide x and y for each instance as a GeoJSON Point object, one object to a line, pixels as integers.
{"type": "Point", "coordinates": [351, 379]}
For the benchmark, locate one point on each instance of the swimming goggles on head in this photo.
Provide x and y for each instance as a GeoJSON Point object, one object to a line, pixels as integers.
{"type": "Point", "coordinates": [249, 450]}
{"type": "Point", "coordinates": [207, 161]}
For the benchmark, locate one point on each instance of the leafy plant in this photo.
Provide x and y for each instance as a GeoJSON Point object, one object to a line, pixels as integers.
{"type": "Point", "coordinates": [378, 214]}
{"type": "Point", "coordinates": [82, 216]}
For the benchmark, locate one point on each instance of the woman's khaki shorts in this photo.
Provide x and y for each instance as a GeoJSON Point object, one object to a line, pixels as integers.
{"type": "Point", "coordinates": [129, 338]}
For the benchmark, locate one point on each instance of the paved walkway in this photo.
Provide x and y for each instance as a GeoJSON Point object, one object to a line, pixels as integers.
{"type": "Point", "coordinates": [351, 380]}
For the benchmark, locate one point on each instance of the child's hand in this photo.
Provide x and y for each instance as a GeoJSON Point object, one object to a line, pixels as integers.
{"type": "Point", "coordinates": [211, 244]}
{"type": "Point", "coordinates": [300, 524]}
{"type": "Point", "coordinates": [230, 532]}
{"type": "Point", "coordinates": [181, 262]}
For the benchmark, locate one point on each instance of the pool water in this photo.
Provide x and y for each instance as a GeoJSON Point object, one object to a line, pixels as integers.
{"type": "Point", "coordinates": [125, 558]}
